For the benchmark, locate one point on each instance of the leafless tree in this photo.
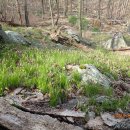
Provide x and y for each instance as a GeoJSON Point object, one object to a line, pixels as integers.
{"type": "Point", "coordinates": [52, 18]}
{"type": "Point", "coordinates": [19, 11]}
{"type": "Point", "coordinates": [80, 17]}
{"type": "Point", "coordinates": [26, 13]}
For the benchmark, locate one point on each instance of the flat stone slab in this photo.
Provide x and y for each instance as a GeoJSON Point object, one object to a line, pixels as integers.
{"type": "Point", "coordinates": [15, 119]}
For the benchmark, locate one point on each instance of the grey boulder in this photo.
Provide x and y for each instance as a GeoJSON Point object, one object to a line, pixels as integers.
{"type": "Point", "coordinates": [90, 74]}
{"type": "Point", "coordinates": [3, 37]}
{"type": "Point", "coordinates": [17, 38]}
{"type": "Point", "coordinates": [116, 42]}
{"type": "Point", "coordinates": [78, 38]}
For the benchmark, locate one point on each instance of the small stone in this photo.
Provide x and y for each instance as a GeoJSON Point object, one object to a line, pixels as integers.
{"type": "Point", "coordinates": [70, 119]}
{"type": "Point", "coordinates": [80, 91]}
{"type": "Point", "coordinates": [95, 124]}
{"type": "Point", "coordinates": [17, 91]}
{"type": "Point", "coordinates": [91, 115]}
{"type": "Point", "coordinates": [91, 74]}
{"type": "Point", "coordinates": [123, 125]}
{"type": "Point", "coordinates": [119, 110]}
{"type": "Point", "coordinates": [110, 120]}
{"type": "Point", "coordinates": [102, 99]}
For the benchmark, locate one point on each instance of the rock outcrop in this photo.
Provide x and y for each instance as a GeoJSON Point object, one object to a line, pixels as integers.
{"type": "Point", "coordinates": [12, 37]}
{"type": "Point", "coordinates": [116, 42]}
{"type": "Point", "coordinates": [16, 37]}
{"type": "Point", "coordinates": [3, 37]}
{"type": "Point", "coordinates": [73, 34]}
{"type": "Point", "coordinates": [90, 74]}
{"type": "Point", "coordinates": [12, 118]}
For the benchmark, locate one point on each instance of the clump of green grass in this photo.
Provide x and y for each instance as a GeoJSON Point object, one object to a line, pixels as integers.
{"type": "Point", "coordinates": [96, 29]}
{"type": "Point", "coordinates": [110, 105]}
{"type": "Point", "coordinates": [43, 69]}
{"type": "Point", "coordinates": [75, 78]}
{"type": "Point", "coordinates": [74, 20]}
{"type": "Point", "coordinates": [99, 37]}
{"type": "Point", "coordinates": [127, 39]}
{"type": "Point", "coordinates": [56, 85]}
{"type": "Point", "coordinates": [82, 67]}
{"type": "Point", "coordinates": [114, 104]}
{"type": "Point", "coordinates": [91, 90]}
{"type": "Point", "coordinates": [29, 33]}
{"type": "Point", "coordinates": [85, 24]}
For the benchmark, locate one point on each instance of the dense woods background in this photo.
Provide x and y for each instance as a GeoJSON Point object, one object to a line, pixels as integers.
{"type": "Point", "coordinates": [66, 63]}
{"type": "Point", "coordinates": [30, 12]}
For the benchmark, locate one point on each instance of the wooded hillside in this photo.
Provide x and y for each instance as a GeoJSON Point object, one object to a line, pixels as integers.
{"type": "Point", "coordinates": [33, 11]}
{"type": "Point", "coordinates": [64, 64]}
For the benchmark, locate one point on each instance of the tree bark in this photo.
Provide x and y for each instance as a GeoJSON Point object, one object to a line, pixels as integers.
{"type": "Point", "coordinates": [65, 7]}
{"type": "Point", "coordinates": [43, 11]}
{"type": "Point", "coordinates": [57, 6]}
{"type": "Point", "coordinates": [52, 18]}
{"type": "Point", "coordinates": [80, 17]}
{"type": "Point", "coordinates": [99, 9]}
{"type": "Point", "coordinates": [27, 23]}
{"type": "Point", "coordinates": [71, 6]}
{"type": "Point", "coordinates": [19, 12]}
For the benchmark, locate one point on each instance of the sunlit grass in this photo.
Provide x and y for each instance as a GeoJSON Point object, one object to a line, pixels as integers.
{"type": "Point", "coordinates": [44, 69]}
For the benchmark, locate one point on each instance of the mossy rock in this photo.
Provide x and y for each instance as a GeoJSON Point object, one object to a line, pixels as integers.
{"type": "Point", "coordinates": [82, 67]}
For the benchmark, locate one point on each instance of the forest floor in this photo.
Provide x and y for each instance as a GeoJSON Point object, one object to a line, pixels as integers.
{"type": "Point", "coordinates": [43, 80]}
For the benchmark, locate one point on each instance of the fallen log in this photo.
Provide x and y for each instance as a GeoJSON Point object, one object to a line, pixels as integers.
{"type": "Point", "coordinates": [12, 118]}
{"type": "Point", "coordinates": [121, 49]}
{"type": "Point", "coordinates": [70, 41]}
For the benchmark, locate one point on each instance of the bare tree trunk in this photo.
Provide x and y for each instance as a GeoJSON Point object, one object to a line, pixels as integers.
{"type": "Point", "coordinates": [71, 6]}
{"type": "Point", "coordinates": [80, 17]}
{"type": "Point", "coordinates": [125, 7]}
{"type": "Point", "coordinates": [108, 8]}
{"type": "Point", "coordinates": [13, 16]}
{"type": "Point", "coordinates": [83, 5]}
{"type": "Point", "coordinates": [19, 12]}
{"type": "Point", "coordinates": [65, 7]}
{"type": "Point", "coordinates": [111, 9]}
{"type": "Point", "coordinates": [86, 7]}
{"type": "Point", "coordinates": [27, 23]}
{"type": "Point", "coordinates": [99, 9]}
{"type": "Point", "coordinates": [119, 9]}
{"type": "Point", "coordinates": [57, 5]}
{"type": "Point", "coordinates": [52, 18]}
{"type": "Point", "coordinates": [43, 11]}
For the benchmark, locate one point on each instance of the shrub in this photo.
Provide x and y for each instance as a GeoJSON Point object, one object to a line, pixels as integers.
{"type": "Point", "coordinates": [85, 23]}
{"type": "Point", "coordinates": [73, 20]}
{"type": "Point", "coordinates": [96, 29]}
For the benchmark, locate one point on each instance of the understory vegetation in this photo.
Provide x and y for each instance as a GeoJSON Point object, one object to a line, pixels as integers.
{"type": "Point", "coordinates": [46, 71]}
{"type": "Point", "coordinates": [65, 64]}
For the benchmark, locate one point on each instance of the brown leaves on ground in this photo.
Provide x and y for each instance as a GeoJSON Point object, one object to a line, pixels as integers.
{"type": "Point", "coordinates": [121, 88]}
